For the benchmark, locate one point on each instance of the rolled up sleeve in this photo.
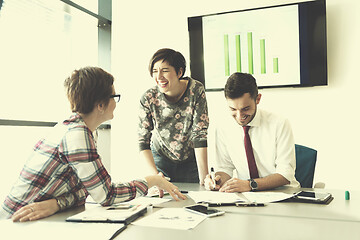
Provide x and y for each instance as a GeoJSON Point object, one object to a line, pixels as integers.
{"type": "Point", "coordinates": [286, 161]}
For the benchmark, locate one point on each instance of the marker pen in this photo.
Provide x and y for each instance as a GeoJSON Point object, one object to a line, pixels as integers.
{"type": "Point", "coordinates": [135, 207]}
{"type": "Point", "coordinates": [347, 195]}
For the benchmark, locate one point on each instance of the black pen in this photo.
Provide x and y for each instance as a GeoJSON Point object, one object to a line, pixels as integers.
{"type": "Point", "coordinates": [252, 204]}
{"type": "Point", "coordinates": [237, 204]}
{"type": "Point", "coordinates": [166, 193]}
{"type": "Point", "coordinates": [118, 232]}
{"type": "Point", "coordinates": [221, 204]}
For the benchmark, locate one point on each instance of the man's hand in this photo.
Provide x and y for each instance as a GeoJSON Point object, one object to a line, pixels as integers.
{"type": "Point", "coordinates": [210, 184]}
{"type": "Point", "coordinates": [235, 185]}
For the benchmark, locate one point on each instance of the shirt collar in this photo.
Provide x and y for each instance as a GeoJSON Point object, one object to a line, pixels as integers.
{"type": "Point", "coordinates": [256, 120]}
{"type": "Point", "coordinates": [73, 119]}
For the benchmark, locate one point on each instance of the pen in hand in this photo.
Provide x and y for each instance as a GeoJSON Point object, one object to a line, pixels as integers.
{"type": "Point", "coordinates": [212, 175]}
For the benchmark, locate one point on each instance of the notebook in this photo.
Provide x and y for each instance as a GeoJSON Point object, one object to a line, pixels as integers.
{"type": "Point", "coordinates": [109, 214]}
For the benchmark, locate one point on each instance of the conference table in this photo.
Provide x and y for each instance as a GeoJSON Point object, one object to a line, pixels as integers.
{"type": "Point", "coordinates": [340, 219]}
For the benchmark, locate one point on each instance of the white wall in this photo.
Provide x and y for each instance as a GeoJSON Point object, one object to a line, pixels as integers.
{"type": "Point", "coordinates": [324, 118]}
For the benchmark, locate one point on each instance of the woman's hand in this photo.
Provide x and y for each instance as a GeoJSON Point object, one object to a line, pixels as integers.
{"type": "Point", "coordinates": [35, 211]}
{"type": "Point", "coordinates": [161, 192]}
{"type": "Point", "coordinates": [163, 184]}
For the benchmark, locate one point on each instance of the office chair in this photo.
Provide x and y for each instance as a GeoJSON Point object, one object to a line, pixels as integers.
{"type": "Point", "coordinates": [305, 166]}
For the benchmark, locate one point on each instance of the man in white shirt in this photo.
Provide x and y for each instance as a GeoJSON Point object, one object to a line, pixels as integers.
{"type": "Point", "coordinates": [271, 139]}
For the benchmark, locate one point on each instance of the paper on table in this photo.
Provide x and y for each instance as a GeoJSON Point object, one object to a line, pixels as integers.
{"type": "Point", "coordinates": [154, 192]}
{"type": "Point", "coordinates": [174, 218]}
{"type": "Point", "coordinates": [266, 197]}
{"type": "Point", "coordinates": [137, 201]}
{"type": "Point", "coordinates": [149, 200]}
{"type": "Point", "coordinates": [215, 197]}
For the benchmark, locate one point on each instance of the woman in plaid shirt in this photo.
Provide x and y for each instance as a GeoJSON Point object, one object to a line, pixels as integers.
{"type": "Point", "coordinates": [65, 166]}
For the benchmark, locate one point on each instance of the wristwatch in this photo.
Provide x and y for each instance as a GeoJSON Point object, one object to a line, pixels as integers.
{"type": "Point", "coordinates": [61, 202]}
{"type": "Point", "coordinates": [253, 185]}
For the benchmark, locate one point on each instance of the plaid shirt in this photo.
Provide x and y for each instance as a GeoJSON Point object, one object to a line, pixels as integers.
{"type": "Point", "coordinates": [67, 166]}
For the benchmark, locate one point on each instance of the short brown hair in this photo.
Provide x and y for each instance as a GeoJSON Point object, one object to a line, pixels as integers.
{"type": "Point", "coordinates": [87, 87]}
{"type": "Point", "coordinates": [240, 83]}
{"type": "Point", "coordinates": [172, 57]}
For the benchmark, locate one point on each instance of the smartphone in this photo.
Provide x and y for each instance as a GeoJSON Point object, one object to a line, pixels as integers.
{"type": "Point", "coordinates": [314, 196]}
{"type": "Point", "coordinates": [204, 210]}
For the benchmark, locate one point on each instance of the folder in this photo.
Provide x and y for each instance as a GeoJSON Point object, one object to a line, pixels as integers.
{"type": "Point", "coordinates": [109, 215]}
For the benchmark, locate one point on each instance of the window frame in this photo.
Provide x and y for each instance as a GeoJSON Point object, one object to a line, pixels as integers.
{"type": "Point", "coordinates": [104, 54]}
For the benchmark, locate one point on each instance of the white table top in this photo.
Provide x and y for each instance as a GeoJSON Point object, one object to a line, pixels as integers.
{"type": "Point", "coordinates": [285, 220]}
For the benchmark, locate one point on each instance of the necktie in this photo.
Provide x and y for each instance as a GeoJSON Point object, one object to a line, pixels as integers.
{"type": "Point", "coordinates": [250, 154]}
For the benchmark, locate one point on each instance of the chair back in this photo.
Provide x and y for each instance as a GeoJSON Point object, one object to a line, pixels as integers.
{"type": "Point", "coordinates": [305, 165]}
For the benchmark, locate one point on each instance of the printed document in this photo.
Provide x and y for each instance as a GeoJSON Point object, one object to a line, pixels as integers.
{"type": "Point", "coordinates": [266, 197]}
{"type": "Point", "coordinates": [174, 218]}
{"type": "Point", "coordinates": [215, 197]}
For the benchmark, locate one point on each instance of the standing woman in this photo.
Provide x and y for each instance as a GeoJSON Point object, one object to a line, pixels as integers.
{"type": "Point", "coordinates": [173, 121]}
{"type": "Point", "coordinates": [65, 167]}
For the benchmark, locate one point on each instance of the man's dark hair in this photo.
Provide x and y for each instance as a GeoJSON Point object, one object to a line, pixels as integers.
{"type": "Point", "coordinates": [240, 83]}
{"type": "Point", "coordinates": [172, 57]}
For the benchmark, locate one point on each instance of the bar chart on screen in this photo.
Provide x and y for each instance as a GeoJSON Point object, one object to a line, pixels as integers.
{"type": "Point", "coordinates": [266, 47]}
{"type": "Point", "coordinates": [243, 54]}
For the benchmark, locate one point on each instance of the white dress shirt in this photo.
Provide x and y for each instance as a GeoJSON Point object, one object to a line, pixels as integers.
{"type": "Point", "coordinates": [272, 142]}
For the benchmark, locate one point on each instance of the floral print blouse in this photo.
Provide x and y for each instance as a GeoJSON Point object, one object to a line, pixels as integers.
{"type": "Point", "coordinates": [175, 128]}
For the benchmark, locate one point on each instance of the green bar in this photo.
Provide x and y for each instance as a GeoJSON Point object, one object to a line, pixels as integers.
{"type": "Point", "coordinates": [238, 53]}
{"type": "Point", "coordinates": [226, 53]}
{"type": "Point", "coordinates": [276, 65]}
{"type": "Point", "coordinates": [262, 56]}
{"type": "Point", "coordinates": [250, 53]}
